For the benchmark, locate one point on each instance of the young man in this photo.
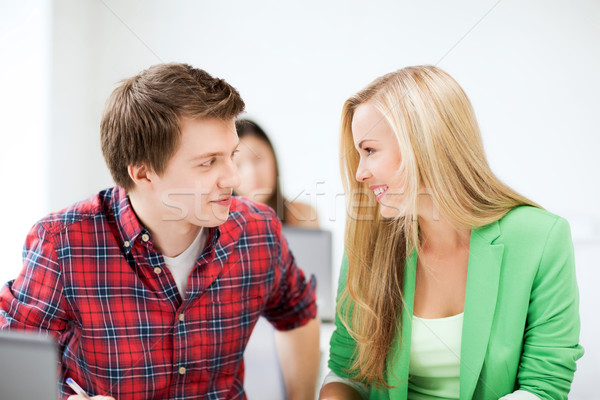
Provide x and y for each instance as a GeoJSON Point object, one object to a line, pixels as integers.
{"type": "Point", "coordinates": [153, 287]}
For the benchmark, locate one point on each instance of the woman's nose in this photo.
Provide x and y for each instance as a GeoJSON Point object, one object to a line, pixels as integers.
{"type": "Point", "coordinates": [362, 173]}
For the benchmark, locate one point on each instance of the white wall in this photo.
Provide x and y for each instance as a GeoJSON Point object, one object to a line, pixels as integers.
{"type": "Point", "coordinates": [529, 67]}
{"type": "Point", "coordinates": [24, 124]}
{"type": "Point", "coordinates": [585, 384]}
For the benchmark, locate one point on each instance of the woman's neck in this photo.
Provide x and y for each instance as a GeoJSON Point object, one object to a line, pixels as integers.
{"type": "Point", "coordinates": [437, 234]}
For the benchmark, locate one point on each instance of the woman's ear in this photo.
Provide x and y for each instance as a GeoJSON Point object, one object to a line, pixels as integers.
{"type": "Point", "coordinates": [141, 175]}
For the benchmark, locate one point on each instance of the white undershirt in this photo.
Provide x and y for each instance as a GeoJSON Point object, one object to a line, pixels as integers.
{"type": "Point", "coordinates": [434, 365]}
{"type": "Point", "coordinates": [181, 265]}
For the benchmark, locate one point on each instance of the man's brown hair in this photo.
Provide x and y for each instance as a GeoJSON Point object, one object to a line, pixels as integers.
{"type": "Point", "coordinates": [140, 124]}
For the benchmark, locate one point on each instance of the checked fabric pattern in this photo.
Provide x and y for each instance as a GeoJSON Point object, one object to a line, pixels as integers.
{"type": "Point", "coordinates": [92, 279]}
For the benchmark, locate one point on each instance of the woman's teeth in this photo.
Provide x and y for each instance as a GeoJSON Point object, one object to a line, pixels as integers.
{"type": "Point", "coordinates": [380, 190]}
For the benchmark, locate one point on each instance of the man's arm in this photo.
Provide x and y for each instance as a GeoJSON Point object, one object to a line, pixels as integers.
{"type": "Point", "coordinates": [299, 355]}
{"type": "Point", "coordinates": [34, 301]}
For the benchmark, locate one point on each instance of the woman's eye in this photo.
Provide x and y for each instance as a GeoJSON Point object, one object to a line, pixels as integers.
{"type": "Point", "coordinates": [369, 150]}
{"type": "Point", "coordinates": [234, 152]}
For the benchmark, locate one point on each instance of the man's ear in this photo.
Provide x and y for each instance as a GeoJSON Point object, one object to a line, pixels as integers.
{"type": "Point", "coordinates": [141, 175]}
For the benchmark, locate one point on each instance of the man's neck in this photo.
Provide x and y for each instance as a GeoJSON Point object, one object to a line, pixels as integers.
{"type": "Point", "coordinates": [170, 238]}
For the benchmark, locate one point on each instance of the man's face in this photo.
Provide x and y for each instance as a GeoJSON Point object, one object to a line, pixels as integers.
{"type": "Point", "coordinates": [196, 186]}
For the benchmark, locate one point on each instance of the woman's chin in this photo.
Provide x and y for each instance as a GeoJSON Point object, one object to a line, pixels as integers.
{"type": "Point", "coordinates": [391, 212]}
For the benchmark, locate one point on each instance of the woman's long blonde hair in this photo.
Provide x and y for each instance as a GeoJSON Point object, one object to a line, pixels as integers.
{"type": "Point", "coordinates": [441, 151]}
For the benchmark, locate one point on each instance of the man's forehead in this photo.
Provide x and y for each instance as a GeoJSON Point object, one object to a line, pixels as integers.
{"type": "Point", "coordinates": [214, 149]}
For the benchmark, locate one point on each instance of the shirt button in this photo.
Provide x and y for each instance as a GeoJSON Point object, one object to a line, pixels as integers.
{"type": "Point", "coordinates": [181, 370]}
{"type": "Point", "coordinates": [127, 244]}
{"type": "Point", "coordinates": [145, 237]}
{"type": "Point", "coordinates": [182, 317]}
{"type": "Point", "coordinates": [157, 270]}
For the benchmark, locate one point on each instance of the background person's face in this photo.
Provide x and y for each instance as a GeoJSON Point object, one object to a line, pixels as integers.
{"type": "Point", "coordinates": [257, 169]}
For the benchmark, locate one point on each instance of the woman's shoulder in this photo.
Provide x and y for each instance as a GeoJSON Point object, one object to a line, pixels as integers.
{"type": "Point", "coordinates": [301, 214]}
{"type": "Point", "coordinates": [531, 222]}
{"type": "Point", "coordinates": [526, 215]}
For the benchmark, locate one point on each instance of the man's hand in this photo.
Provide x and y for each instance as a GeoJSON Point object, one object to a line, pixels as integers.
{"type": "Point", "coordinates": [299, 355]}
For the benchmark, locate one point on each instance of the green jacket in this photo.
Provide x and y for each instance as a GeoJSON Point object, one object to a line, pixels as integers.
{"type": "Point", "coordinates": [521, 316]}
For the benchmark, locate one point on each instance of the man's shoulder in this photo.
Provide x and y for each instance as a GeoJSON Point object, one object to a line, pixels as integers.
{"type": "Point", "coordinates": [82, 212]}
{"type": "Point", "coordinates": [253, 222]}
{"type": "Point", "coordinates": [248, 210]}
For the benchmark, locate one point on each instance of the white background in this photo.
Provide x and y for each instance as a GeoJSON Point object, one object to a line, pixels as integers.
{"type": "Point", "coordinates": [530, 68]}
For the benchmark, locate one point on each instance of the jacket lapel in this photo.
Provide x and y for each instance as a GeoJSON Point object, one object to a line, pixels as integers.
{"type": "Point", "coordinates": [485, 261]}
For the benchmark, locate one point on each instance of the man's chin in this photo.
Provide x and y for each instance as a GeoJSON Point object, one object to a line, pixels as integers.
{"type": "Point", "coordinates": [214, 220]}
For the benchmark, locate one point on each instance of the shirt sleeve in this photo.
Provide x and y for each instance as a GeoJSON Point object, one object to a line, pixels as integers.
{"type": "Point", "coordinates": [361, 388]}
{"type": "Point", "coordinates": [551, 342]}
{"type": "Point", "coordinates": [520, 395]}
{"type": "Point", "coordinates": [34, 301]}
{"type": "Point", "coordinates": [293, 301]}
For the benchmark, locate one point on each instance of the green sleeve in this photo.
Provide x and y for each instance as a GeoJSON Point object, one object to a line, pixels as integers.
{"type": "Point", "coordinates": [341, 345]}
{"type": "Point", "coordinates": [551, 343]}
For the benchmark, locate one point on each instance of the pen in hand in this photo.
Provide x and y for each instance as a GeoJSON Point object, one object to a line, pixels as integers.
{"type": "Point", "coordinates": [77, 388]}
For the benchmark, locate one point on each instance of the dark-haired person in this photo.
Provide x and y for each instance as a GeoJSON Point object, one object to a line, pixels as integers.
{"type": "Point", "coordinates": [152, 287]}
{"type": "Point", "coordinates": [454, 286]}
{"type": "Point", "coordinates": [259, 181]}
{"type": "Point", "coordinates": [259, 170]}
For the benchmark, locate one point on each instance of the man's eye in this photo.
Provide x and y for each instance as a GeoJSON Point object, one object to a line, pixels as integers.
{"type": "Point", "coordinates": [233, 153]}
{"type": "Point", "coordinates": [208, 163]}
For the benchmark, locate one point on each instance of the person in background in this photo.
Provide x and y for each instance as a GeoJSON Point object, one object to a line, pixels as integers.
{"type": "Point", "coordinates": [259, 172]}
{"type": "Point", "coordinates": [152, 287]}
{"type": "Point", "coordinates": [453, 285]}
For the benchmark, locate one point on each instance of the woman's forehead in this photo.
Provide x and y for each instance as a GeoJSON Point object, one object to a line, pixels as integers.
{"type": "Point", "coordinates": [368, 123]}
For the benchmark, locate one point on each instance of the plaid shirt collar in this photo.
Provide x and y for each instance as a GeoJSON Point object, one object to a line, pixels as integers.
{"type": "Point", "coordinates": [129, 226]}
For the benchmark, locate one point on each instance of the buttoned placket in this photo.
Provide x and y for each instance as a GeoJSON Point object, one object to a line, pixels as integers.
{"type": "Point", "coordinates": [180, 353]}
{"type": "Point", "coordinates": [144, 254]}
{"type": "Point", "coordinates": [168, 285]}
{"type": "Point", "coordinates": [181, 357]}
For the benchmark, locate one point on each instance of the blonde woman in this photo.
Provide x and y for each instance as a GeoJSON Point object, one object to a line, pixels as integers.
{"type": "Point", "coordinates": [453, 285]}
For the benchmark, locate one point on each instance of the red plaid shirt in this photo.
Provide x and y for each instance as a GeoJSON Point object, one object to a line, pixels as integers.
{"type": "Point", "coordinates": [93, 279]}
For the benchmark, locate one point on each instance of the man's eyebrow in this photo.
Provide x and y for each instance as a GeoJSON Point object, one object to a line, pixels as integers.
{"type": "Point", "coordinates": [215, 154]}
{"type": "Point", "coordinates": [366, 140]}
{"type": "Point", "coordinates": [207, 155]}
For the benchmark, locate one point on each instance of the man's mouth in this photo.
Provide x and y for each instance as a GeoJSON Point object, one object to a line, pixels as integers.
{"type": "Point", "coordinates": [225, 201]}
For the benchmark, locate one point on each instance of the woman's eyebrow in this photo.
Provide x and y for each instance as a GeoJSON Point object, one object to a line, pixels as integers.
{"type": "Point", "coordinates": [360, 145]}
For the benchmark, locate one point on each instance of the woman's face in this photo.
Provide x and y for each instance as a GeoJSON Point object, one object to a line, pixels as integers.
{"type": "Point", "coordinates": [380, 163]}
{"type": "Point", "coordinates": [257, 169]}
